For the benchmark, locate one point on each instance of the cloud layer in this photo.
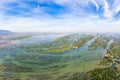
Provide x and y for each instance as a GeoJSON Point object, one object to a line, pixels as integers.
{"type": "Point", "coordinates": [60, 15]}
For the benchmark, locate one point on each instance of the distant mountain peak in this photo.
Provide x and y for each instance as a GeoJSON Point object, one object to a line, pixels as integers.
{"type": "Point", "coordinates": [4, 32]}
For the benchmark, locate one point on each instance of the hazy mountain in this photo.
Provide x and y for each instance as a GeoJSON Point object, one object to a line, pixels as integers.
{"type": "Point", "coordinates": [4, 32]}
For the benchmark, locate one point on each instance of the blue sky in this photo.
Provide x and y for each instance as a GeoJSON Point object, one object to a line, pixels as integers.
{"type": "Point", "coordinates": [60, 15]}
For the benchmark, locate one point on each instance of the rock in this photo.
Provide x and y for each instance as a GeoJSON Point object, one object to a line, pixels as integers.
{"type": "Point", "coordinates": [107, 56]}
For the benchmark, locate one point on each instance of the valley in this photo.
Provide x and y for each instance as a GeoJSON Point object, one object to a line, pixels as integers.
{"type": "Point", "coordinates": [62, 56]}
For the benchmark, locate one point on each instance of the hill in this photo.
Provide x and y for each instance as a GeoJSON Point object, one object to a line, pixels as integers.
{"type": "Point", "coordinates": [5, 32]}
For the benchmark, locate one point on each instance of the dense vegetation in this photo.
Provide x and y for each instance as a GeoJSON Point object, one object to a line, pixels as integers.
{"type": "Point", "coordinates": [99, 74]}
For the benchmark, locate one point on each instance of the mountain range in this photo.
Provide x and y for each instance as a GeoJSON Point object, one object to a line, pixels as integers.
{"type": "Point", "coordinates": [5, 32]}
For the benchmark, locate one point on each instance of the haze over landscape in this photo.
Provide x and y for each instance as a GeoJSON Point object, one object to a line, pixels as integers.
{"type": "Point", "coordinates": [60, 15]}
{"type": "Point", "coordinates": [59, 40]}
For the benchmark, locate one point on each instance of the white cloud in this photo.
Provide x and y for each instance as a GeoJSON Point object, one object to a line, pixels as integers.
{"type": "Point", "coordinates": [96, 4]}
{"type": "Point", "coordinates": [107, 12]}
{"type": "Point", "coordinates": [68, 22]}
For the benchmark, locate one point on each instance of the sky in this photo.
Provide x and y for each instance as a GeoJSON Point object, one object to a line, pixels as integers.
{"type": "Point", "coordinates": [60, 15]}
